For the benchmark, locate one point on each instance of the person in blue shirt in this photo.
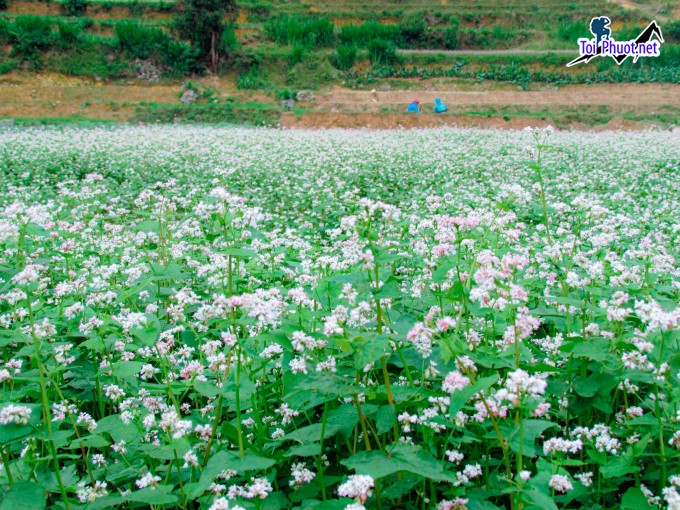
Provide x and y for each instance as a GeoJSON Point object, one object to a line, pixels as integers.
{"type": "Point", "coordinates": [413, 107]}
{"type": "Point", "coordinates": [439, 107]}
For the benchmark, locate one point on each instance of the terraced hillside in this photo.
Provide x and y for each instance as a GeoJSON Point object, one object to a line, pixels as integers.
{"type": "Point", "coordinates": [273, 49]}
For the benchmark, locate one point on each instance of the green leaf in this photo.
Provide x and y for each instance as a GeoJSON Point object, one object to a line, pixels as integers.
{"type": "Point", "coordinates": [459, 398]}
{"type": "Point", "coordinates": [585, 387]}
{"type": "Point", "coordinates": [634, 499]}
{"type": "Point", "coordinates": [36, 230]}
{"type": "Point", "coordinates": [207, 388]}
{"type": "Point", "coordinates": [596, 349]}
{"type": "Point", "coordinates": [304, 450]}
{"type": "Point", "coordinates": [154, 495]}
{"type": "Point", "coordinates": [147, 226]}
{"type": "Point", "coordinates": [127, 369]}
{"type": "Point", "coordinates": [167, 452]}
{"type": "Point", "coordinates": [369, 348]}
{"type": "Point", "coordinates": [389, 290]}
{"type": "Point", "coordinates": [404, 457]}
{"type": "Point", "coordinates": [24, 495]}
{"type": "Point", "coordinates": [240, 252]}
{"type": "Point", "coordinates": [385, 418]}
{"type": "Point", "coordinates": [94, 441]}
{"type": "Point", "coordinates": [541, 500]}
{"type": "Point", "coordinates": [531, 429]}
{"type": "Point", "coordinates": [117, 429]}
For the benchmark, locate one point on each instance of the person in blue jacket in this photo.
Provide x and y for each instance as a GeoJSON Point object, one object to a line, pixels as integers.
{"type": "Point", "coordinates": [439, 107]}
{"type": "Point", "coordinates": [413, 107]}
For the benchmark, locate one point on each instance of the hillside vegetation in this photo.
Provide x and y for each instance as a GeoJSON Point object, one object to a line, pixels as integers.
{"type": "Point", "coordinates": [275, 46]}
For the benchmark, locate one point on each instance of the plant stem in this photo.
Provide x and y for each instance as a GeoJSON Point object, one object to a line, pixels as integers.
{"type": "Point", "coordinates": [218, 414]}
{"type": "Point", "coordinates": [237, 386]}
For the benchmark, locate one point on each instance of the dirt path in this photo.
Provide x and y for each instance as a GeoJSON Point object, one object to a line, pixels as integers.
{"type": "Point", "coordinates": [25, 95]}
{"type": "Point", "coordinates": [633, 96]}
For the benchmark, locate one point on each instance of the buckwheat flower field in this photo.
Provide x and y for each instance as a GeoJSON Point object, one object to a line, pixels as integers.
{"type": "Point", "coordinates": [223, 318]}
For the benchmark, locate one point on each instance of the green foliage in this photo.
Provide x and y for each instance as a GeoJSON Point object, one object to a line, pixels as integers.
{"type": "Point", "coordinates": [30, 35]}
{"type": "Point", "coordinates": [672, 31]}
{"type": "Point", "coordinates": [297, 53]}
{"type": "Point", "coordinates": [451, 35]}
{"type": "Point", "coordinates": [250, 80]}
{"type": "Point", "coordinates": [253, 115]}
{"type": "Point", "coordinates": [362, 35]}
{"type": "Point", "coordinates": [202, 23]}
{"type": "Point", "coordinates": [257, 13]}
{"type": "Point", "coordinates": [665, 68]}
{"type": "Point", "coordinates": [74, 7]}
{"type": "Point", "coordinates": [346, 56]}
{"type": "Point", "coordinates": [572, 31]}
{"type": "Point", "coordinates": [312, 31]}
{"type": "Point", "coordinates": [229, 41]}
{"type": "Point", "coordinates": [69, 34]}
{"type": "Point", "coordinates": [3, 4]}
{"type": "Point", "coordinates": [5, 31]}
{"type": "Point", "coordinates": [382, 52]}
{"type": "Point", "coordinates": [286, 95]}
{"type": "Point", "coordinates": [89, 60]}
{"type": "Point", "coordinates": [412, 30]}
{"type": "Point", "coordinates": [7, 65]}
{"type": "Point", "coordinates": [312, 72]}
{"type": "Point", "coordinates": [140, 41]}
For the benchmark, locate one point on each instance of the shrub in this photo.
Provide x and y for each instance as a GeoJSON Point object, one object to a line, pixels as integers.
{"type": "Point", "coordinates": [69, 33]}
{"type": "Point", "coordinates": [382, 52]}
{"type": "Point", "coordinates": [451, 36]}
{"type": "Point", "coordinates": [297, 53]}
{"type": "Point", "coordinates": [362, 35]}
{"type": "Point", "coordinates": [412, 30]}
{"type": "Point", "coordinates": [3, 5]}
{"type": "Point", "coordinates": [182, 58]}
{"type": "Point", "coordinates": [143, 42]}
{"type": "Point", "coordinates": [89, 60]}
{"type": "Point", "coordinates": [314, 71]}
{"type": "Point", "coordinates": [286, 95]}
{"type": "Point", "coordinates": [346, 56]}
{"type": "Point", "coordinates": [7, 65]}
{"type": "Point", "coordinates": [311, 31]}
{"type": "Point", "coordinates": [74, 7]}
{"type": "Point", "coordinates": [31, 35]}
{"type": "Point", "coordinates": [140, 41]}
{"type": "Point", "coordinates": [34, 30]}
{"type": "Point", "coordinates": [250, 80]}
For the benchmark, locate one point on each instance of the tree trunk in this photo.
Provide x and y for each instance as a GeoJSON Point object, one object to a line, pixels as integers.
{"type": "Point", "coordinates": [213, 53]}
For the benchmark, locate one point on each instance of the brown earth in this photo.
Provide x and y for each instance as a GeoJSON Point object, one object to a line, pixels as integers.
{"type": "Point", "coordinates": [94, 11]}
{"type": "Point", "coordinates": [328, 120]}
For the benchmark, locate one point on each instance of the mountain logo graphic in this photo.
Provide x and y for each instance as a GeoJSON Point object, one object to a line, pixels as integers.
{"type": "Point", "coordinates": [647, 44]}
